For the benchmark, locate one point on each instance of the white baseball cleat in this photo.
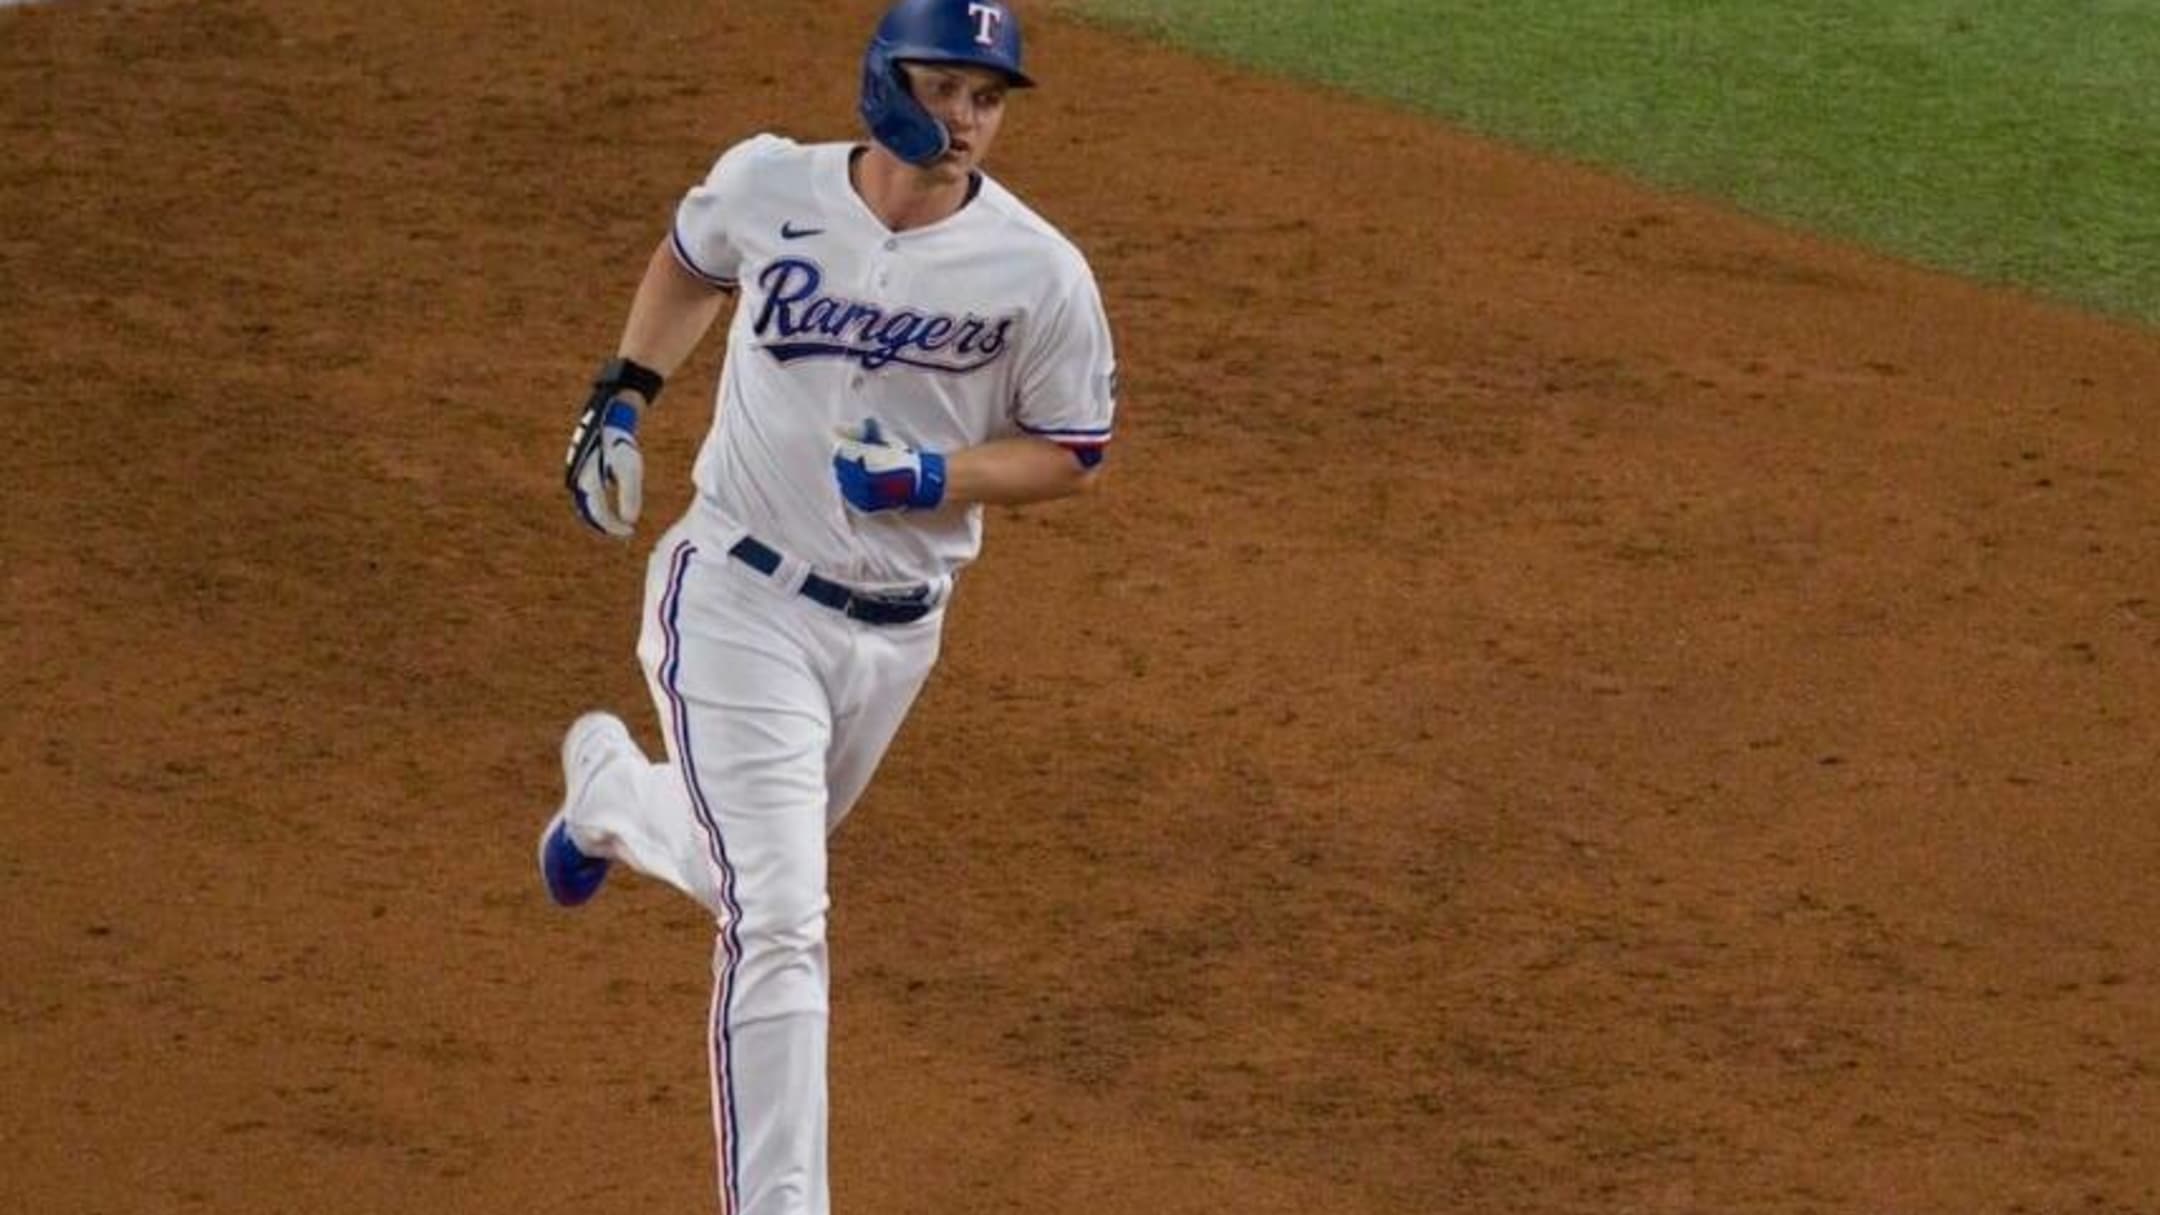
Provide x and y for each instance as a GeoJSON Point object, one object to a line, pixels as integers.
{"type": "Point", "coordinates": [572, 877]}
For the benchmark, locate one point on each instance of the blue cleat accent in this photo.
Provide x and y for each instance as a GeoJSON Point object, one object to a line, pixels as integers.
{"type": "Point", "coordinates": [571, 876]}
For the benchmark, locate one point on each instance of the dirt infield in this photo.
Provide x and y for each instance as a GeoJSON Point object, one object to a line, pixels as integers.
{"type": "Point", "coordinates": [1573, 701]}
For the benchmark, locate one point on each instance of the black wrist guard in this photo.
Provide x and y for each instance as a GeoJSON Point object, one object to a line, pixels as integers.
{"type": "Point", "coordinates": [620, 373]}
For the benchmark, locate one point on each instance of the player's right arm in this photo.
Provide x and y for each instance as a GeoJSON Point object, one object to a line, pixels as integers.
{"type": "Point", "coordinates": [677, 300]}
{"type": "Point", "coordinates": [604, 470]}
{"type": "Point", "coordinates": [694, 265]}
{"type": "Point", "coordinates": [670, 314]}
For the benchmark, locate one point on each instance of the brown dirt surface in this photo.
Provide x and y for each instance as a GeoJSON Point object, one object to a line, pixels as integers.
{"type": "Point", "coordinates": [1573, 700]}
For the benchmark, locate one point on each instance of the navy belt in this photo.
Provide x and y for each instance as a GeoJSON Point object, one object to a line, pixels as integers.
{"type": "Point", "coordinates": [904, 607]}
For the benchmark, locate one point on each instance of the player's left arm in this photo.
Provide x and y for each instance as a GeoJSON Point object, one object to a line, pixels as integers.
{"type": "Point", "coordinates": [1009, 472]}
{"type": "Point", "coordinates": [1064, 408]}
{"type": "Point", "coordinates": [1065, 400]}
{"type": "Point", "coordinates": [877, 472]}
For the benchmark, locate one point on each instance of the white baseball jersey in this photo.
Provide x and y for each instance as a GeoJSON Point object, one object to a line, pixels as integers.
{"type": "Point", "coordinates": [987, 324]}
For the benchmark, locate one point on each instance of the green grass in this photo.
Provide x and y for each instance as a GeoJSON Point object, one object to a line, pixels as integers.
{"type": "Point", "coordinates": [2013, 140]}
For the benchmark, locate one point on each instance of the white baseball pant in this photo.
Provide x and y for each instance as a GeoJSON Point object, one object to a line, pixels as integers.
{"type": "Point", "coordinates": [777, 710]}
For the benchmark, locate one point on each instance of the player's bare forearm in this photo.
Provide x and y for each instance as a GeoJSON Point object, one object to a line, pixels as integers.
{"type": "Point", "coordinates": [1009, 472]}
{"type": "Point", "coordinates": [670, 315]}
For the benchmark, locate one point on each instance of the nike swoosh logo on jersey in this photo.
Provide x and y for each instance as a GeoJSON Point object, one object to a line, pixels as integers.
{"type": "Point", "coordinates": [788, 231]}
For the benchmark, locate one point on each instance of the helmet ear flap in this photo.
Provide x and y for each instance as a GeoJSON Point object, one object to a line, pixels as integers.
{"type": "Point", "coordinates": [982, 33]}
{"type": "Point", "coordinates": [894, 117]}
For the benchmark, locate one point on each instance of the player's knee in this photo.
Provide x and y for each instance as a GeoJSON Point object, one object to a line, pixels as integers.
{"type": "Point", "coordinates": [772, 967]}
{"type": "Point", "coordinates": [782, 926]}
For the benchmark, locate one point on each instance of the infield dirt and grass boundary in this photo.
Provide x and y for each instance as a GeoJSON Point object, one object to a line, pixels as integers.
{"type": "Point", "coordinates": [2010, 140]}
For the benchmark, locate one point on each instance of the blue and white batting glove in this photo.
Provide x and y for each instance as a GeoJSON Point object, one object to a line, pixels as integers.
{"type": "Point", "coordinates": [878, 474]}
{"type": "Point", "coordinates": [607, 470]}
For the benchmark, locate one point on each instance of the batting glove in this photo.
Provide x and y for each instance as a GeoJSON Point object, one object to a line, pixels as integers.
{"type": "Point", "coordinates": [604, 468]}
{"type": "Point", "coordinates": [878, 474]}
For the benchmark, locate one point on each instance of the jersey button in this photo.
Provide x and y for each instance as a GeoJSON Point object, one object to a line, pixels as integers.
{"type": "Point", "coordinates": [891, 245]}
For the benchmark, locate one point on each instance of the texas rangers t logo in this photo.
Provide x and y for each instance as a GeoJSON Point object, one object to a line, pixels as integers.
{"type": "Point", "coordinates": [987, 19]}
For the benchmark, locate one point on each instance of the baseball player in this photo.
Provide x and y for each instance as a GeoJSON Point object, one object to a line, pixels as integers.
{"type": "Point", "coordinates": [909, 342]}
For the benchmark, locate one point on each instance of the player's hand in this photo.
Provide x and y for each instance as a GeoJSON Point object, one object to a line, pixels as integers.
{"type": "Point", "coordinates": [878, 474]}
{"type": "Point", "coordinates": [604, 470]}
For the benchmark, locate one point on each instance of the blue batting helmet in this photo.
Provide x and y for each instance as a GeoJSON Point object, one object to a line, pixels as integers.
{"type": "Point", "coordinates": [984, 33]}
